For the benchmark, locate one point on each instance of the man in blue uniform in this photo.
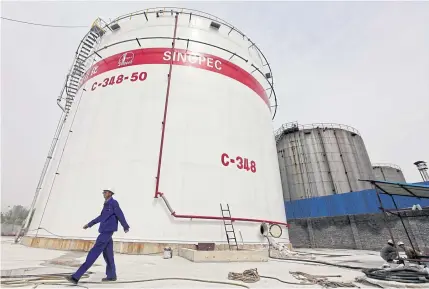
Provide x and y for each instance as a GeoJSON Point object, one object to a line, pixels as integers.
{"type": "Point", "coordinates": [108, 219]}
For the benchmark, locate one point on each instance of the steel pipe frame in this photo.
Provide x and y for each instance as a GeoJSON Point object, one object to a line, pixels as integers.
{"type": "Point", "coordinates": [399, 215]}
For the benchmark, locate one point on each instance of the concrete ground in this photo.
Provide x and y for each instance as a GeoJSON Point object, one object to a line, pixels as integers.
{"type": "Point", "coordinates": [19, 260]}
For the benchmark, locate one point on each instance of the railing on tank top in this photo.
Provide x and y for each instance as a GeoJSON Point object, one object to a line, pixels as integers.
{"type": "Point", "coordinates": [270, 80]}
{"type": "Point", "coordinates": [294, 126]}
{"type": "Point", "coordinates": [389, 165]}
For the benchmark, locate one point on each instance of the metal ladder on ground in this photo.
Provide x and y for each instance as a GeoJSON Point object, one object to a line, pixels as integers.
{"type": "Point", "coordinates": [81, 62]}
{"type": "Point", "coordinates": [229, 227]}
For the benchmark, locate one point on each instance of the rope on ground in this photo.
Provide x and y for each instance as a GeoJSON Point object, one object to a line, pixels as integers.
{"type": "Point", "coordinates": [248, 276]}
{"type": "Point", "coordinates": [321, 280]}
{"type": "Point", "coordinates": [252, 276]}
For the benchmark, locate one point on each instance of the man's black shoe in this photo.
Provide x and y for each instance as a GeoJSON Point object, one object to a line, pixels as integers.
{"type": "Point", "coordinates": [71, 279]}
{"type": "Point", "coordinates": [108, 279]}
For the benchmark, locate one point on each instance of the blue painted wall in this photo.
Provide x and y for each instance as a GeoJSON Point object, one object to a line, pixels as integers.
{"type": "Point", "coordinates": [354, 203]}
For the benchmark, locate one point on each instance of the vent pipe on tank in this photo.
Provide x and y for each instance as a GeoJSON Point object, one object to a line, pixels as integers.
{"type": "Point", "coordinates": [423, 169]}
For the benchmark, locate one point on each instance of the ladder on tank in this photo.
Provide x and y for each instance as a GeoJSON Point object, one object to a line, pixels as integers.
{"type": "Point", "coordinates": [81, 62]}
{"type": "Point", "coordinates": [229, 227]}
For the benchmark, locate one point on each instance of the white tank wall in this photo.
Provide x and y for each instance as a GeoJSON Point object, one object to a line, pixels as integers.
{"type": "Point", "coordinates": [115, 141]}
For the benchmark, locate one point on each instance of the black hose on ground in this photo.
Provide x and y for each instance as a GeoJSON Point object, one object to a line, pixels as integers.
{"type": "Point", "coordinates": [402, 275]}
{"type": "Point", "coordinates": [320, 262]}
{"type": "Point", "coordinates": [48, 275]}
{"type": "Point", "coordinates": [44, 280]}
{"type": "Point", "coordinates": [168, 278]}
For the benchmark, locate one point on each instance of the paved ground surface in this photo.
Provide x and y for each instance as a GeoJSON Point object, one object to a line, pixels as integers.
{"type": "Point", "coordinates": [19, 260]}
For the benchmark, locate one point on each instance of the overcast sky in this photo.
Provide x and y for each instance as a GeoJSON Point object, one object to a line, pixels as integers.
{"type": "Point", "coordinates": [361, 64]}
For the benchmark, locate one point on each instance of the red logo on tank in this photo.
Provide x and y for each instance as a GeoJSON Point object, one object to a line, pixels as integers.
{"type": "Point", "coordinates": [126, 59]}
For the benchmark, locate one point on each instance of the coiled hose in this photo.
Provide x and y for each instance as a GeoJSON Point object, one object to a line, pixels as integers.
{"type": "Point", "coordinates": [403, 275]}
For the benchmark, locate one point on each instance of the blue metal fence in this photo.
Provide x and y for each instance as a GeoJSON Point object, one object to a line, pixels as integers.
{"type": "Point", "coordinates": [354, 203]}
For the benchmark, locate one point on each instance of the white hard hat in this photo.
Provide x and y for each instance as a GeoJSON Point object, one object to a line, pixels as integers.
{"type": "Point", "coordinates": [390, 242]}
{"type": "Point", "coordinates": [400, 243]}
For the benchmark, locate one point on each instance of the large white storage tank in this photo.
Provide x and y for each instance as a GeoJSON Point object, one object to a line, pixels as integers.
{"type": "Point", "coordinates": [388, 172]}
{"type": "Point", "coordinates": [321, 159]}
{"type": "Point", "coordinates": [173, 102]}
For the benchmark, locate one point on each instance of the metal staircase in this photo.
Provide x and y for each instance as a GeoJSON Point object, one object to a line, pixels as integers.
{"type": "Point", "coordinates": [229, 227]}
{"type": "Point", "coordinates": [81, 63]}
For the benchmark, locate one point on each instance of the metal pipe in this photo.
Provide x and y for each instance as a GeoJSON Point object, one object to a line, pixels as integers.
{"type": "Point", "coordinates": [167, 94]}
{"type": "Point", "coordinates": [167, 203]}
{"type": "Point", "coordinates": [232, 219]}
{"type": "Point", "coordinates": [423, 170]}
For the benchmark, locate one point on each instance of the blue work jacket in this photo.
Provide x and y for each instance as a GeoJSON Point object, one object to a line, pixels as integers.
{"type": "Point", "coordinates": [109, 217]}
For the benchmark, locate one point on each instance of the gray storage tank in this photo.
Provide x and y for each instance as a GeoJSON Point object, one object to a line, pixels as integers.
{"type": "Point", "coordinates": [388, 172]}
{"type": "Point", "coordinates": [321, 159]}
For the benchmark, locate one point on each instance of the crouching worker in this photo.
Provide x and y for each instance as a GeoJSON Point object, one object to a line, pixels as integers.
{"type": "Point", "coordinates": [388, 252]}
{"type": "Point", "coordinates": [108, 220]}
{"type": "Point", "coordinates": [410, 252]}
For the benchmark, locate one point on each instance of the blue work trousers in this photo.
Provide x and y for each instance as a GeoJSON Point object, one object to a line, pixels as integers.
{"type": "Point", "coordinates": [103, 244]}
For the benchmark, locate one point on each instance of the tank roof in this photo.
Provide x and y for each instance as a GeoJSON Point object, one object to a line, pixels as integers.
{"type": "Point", "coordinates": [386, 165]}
{"type": "Point", "coordinates": [291, 127]}
{"type": "Point", "coordinates": [192, 12]}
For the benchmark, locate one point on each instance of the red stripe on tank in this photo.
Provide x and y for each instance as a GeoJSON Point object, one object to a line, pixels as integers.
{"type": "Point", "coordinates": [181, 57]}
